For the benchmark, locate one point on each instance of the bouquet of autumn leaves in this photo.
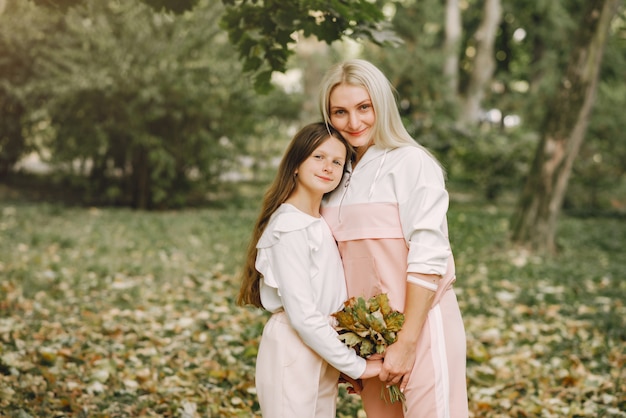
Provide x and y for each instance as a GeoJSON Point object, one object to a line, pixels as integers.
{"type": "Point", "coordinates": [369, 327]}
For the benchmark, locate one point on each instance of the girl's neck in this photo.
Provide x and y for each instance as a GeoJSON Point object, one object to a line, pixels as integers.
{"type": "Point", "coordinates": [306, 203]}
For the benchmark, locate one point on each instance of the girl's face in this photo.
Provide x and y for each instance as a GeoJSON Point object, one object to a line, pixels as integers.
{"type": "Point", "coordinates": [352, 114]}
{"type": "Point", "coordinates": [323, 169]}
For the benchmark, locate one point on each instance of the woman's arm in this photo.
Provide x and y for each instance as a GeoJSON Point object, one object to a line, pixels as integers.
{"type": "Point", "coordinates": [423, 204]}
{"type": "Point", "coordinates": [400, 356]}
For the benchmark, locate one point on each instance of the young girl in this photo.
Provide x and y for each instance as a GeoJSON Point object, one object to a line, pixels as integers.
{"type": "Point", "coordinates": [293, 270]}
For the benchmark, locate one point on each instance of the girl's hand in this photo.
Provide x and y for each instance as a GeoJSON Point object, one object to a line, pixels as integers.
{"type": "Point", "coordinates": [354, 385]}
{"type": "Point", "coordinates": [372, 368]}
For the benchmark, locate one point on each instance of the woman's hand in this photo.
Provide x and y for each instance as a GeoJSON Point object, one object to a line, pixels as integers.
{"type": "Point", "coordinates": [398, 363]}
{"type": "Point", "coordinates": [400, 356]}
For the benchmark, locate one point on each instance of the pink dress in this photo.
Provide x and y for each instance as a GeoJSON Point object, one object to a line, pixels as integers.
{"type": "Point", "coordinates": [389, 219]}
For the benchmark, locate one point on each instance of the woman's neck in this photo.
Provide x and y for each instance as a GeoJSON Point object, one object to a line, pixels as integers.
{"type": "Point", "coordinates": [359, 153]}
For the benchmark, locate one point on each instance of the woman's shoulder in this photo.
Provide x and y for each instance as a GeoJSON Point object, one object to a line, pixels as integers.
{"type": "Point", "coordinates": [414, 157]}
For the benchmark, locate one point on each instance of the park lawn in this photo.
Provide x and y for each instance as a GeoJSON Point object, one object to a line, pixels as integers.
{"type": "Point", "coordinates": [118, 313]}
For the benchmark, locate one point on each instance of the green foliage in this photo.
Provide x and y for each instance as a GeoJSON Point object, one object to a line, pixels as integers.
{"type": "Point", "coordinates": [490, 160]}
{"type": "Point", "coordinates": [176, 6]}
{"type": "Point", "coordinates": [126, 313]}
{"type": "Point", "coordinates": [265, 32]}
{"type": "Point", "coordinates": [480, 156]}
{"type": "Point", "coordinates": [529, 68]}
{"type": "Point", "coordinates": [57, 4]}
{"type": "Point", "coordinates": [22, 36]}
{"type": "Point", "coordinates": [415, 67]}
{"type": "Point", "coordinates": [136, 105]}
{"type": "Point", "coordinates": [140, 108]}
{"type": "Point", "coordinates": [599, 174]}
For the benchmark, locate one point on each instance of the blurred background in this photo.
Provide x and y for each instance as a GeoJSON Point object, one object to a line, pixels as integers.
{"type": "Point", "coordinates": [137, 137]}
{"type": "Point", "coordinates": [147, 105]}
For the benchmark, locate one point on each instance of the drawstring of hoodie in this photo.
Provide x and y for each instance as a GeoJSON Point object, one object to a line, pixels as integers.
{"type": "Point", "coordinates": [343, 194]}
{"type": "Point", "coordinates": [371, 192]}
{"type": "Point", "coordinates": [380, 166]}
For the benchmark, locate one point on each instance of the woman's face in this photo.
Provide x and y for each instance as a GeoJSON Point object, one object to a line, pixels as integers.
{"type": "Point", "coordinates": [321, 172]}
{"type": "Point", "coordinates": [352, 114]}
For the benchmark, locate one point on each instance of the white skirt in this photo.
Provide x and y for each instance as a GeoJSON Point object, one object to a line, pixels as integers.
{"type": "Point", "coordinates": [291, 379]}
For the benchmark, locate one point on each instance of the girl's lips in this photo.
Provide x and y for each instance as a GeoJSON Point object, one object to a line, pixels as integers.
{"type": "Point", "coordinates": [325, 178]}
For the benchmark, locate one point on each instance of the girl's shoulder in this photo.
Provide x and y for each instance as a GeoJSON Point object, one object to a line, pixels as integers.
{"type": "Point", "coordinates": [286, 219]}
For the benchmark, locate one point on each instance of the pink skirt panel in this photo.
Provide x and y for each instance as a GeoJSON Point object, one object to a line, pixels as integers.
{"type": "Point", "coordinates": [437, 386]}
{"type": "Point", "coordinates": [376, 266]}
{"type": "Point", "coordinates": [367, 220]}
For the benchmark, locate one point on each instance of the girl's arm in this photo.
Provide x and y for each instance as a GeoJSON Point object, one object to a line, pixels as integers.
{"type": "Point", "coordinates": [290, 262]}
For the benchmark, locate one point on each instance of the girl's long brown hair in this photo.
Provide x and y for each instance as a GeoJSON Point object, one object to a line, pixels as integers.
{"type": "Point", "coordinates": [301, 147]}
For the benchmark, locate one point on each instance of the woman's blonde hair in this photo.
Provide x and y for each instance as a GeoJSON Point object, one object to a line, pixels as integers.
{"type": "Point", "coordinates": [388, 130]}
{"type": "Point", "coordinates": [300, 148]}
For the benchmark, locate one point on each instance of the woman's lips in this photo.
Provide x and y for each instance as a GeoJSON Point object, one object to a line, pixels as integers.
{"type": "Point", "coordinates": [357, 133]}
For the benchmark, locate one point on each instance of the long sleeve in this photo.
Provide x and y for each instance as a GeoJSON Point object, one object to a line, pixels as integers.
{"type": "Point", "coordinates": [423, 204]}
{"type": "Point", "coordinates": [289, 265]}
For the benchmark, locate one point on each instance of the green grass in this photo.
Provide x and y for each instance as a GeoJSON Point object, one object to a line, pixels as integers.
{"type": "Point", "coordinates": [113, 312]}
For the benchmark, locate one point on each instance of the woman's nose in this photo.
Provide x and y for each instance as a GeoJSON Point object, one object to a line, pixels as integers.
{"type": "Point", "coordinates": [353, 120]}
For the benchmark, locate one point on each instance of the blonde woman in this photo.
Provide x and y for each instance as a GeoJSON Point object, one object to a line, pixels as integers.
{"type": "Point", "coordinates": [389, 219]}
{"type": "Point", "coordinates": [293, 270]}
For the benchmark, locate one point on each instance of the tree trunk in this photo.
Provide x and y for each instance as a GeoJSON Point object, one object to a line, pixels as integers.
{"type": "Point", "coordinates": [564, 127]}
{"type": "Point", "coordinates": [140, 178]}
{"type": "Point", "coordinates": [484, 62]}
{"type": "Point", "coordinates": [538, 53]}
{"type": "Point", "coordinates": [453, 38]}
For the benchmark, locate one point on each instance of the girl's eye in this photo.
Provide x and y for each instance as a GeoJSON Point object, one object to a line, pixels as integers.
{"type": "Point", "coordinates": [338, 163]}
{"type": "Point", "coordinates": [317, 156]}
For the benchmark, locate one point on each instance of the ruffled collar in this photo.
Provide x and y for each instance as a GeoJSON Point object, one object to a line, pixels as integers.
{"type": "Point", "coordinates": [287, 218]}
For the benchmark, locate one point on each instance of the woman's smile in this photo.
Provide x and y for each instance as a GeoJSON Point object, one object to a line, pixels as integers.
{"type": "Point", "coordinates": [352, 114]}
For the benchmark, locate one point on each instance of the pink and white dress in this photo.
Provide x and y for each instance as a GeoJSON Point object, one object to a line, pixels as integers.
{"type": "Point", "coordinates": [300, 354]}
{"type": "Point", "coordinates": [389, 219]}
